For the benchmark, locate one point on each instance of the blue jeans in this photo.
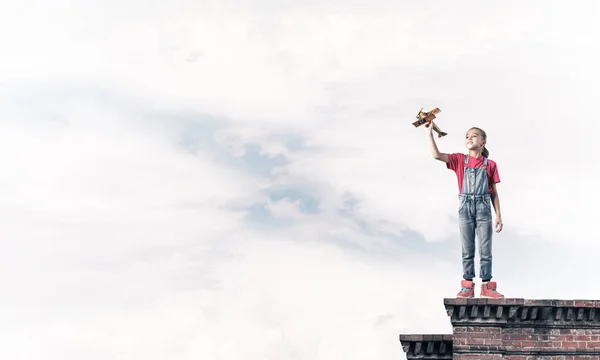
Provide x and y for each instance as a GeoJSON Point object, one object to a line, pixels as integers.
{"type": "Point", "coordinates": [475, 217]}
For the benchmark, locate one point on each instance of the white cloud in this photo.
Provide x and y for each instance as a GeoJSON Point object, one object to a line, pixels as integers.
{"type": "Point", "coordinates": [274, 299]}
{"type": "Point", "coordinates": [285, 208]}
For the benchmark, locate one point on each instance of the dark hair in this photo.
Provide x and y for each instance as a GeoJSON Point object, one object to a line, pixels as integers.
{"type": "Point", "coordinates": [485, 153]}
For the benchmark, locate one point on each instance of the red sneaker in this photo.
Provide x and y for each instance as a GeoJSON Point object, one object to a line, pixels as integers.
{"type": "Point", "coordinates": [488, 290]}
{"type": "Point", "coordinates": [467, 290]}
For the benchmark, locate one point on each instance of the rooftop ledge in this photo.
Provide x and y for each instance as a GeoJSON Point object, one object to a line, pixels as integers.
{"type": "Point", "coordinates": [523, 312]}
{"type": "Point", "coordinates": [427, 346]}
{"type": "Point", "coordinates": [523, 302]}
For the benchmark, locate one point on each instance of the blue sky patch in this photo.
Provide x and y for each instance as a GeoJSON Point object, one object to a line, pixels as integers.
{"type": "Point", "coordinates": [307, 199]}
{"type": "Point", "coordinates": [260, 216]}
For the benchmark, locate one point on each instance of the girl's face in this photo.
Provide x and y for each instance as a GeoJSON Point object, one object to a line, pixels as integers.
{"type": "Point", "coordinates": [474, 140]}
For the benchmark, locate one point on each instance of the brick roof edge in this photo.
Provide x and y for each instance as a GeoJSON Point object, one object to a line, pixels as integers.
{"type": "Point", "coordinates": [427, 346]}
{"type": "Point", "coordinates": [524, 312]}
{"type": "Point", "coordinates": [524, 302]}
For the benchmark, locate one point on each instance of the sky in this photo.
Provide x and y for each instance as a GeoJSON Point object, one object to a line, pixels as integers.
{"type": "Point", "coordinates": [241, 180]}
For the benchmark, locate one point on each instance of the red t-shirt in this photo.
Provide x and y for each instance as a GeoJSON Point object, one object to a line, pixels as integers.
{"type": "Point", "coordinates": [456, 162]}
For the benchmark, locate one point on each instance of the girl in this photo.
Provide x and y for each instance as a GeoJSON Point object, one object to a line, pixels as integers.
{"type": "Point", "coordinates": [477, 178]}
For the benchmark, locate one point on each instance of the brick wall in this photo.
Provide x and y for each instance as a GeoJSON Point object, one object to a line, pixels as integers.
{"type": "Point", "coordinates": [518, 329]}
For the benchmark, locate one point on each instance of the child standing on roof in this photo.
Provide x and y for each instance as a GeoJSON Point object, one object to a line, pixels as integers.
{"type": "Point", "coordinates": [477, 178]}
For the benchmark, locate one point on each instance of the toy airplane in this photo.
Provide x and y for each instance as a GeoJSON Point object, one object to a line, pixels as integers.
{"type": "Point", "coordinates": [427, 119]}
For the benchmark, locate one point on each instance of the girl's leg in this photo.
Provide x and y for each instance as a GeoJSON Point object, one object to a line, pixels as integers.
{"type": "Point", "coordinates": [485, 231]}
{"type": "Point", "coordinates": [467, 223]}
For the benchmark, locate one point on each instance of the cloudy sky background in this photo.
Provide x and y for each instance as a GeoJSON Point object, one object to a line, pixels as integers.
{"type": "Point", "coordinates": [241, 180]}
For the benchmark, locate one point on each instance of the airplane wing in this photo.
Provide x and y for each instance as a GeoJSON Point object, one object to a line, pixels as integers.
{"type": "Point", "coordinates": [435, 111]}
{"type": "Point", "coordinates": [425, 117]}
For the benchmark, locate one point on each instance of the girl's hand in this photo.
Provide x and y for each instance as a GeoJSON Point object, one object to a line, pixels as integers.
{"type": "Point", "coordinates": [498, 224]}
{"type": "Point", "coordinates": [429, 127]}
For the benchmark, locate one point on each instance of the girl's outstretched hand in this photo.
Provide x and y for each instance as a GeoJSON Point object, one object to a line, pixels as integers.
{"type": "Point", "coordinates": [498, 224]}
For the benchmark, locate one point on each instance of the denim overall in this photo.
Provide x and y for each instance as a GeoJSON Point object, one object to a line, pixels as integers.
{"type": "Point", "coordinates": [475, 217]}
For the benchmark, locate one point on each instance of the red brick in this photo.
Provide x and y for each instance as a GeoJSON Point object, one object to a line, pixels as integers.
{"type": "Point", "coordinates": [477, 356]}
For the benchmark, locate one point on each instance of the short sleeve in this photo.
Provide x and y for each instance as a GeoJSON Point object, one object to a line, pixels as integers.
{"type": "Point", "coordinates": [494, 175]}
{"type": "Point", "coordinates": [454, 160]}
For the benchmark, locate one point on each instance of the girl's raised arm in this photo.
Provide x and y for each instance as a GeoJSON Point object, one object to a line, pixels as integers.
{"type": "Point", "coordinates": [434, 150]}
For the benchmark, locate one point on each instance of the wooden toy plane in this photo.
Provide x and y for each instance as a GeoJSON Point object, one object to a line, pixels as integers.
{"type": "Point", "coordinates": [427, 119]}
